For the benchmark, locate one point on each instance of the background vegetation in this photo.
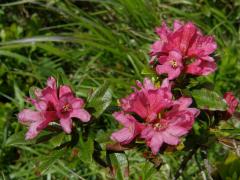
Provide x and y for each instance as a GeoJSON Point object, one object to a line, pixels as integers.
{"type": "Point", "coordinates": [86, 43]}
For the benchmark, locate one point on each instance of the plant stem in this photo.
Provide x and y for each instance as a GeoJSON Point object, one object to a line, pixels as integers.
{"type": "Point", "coordinates": [184, 163]}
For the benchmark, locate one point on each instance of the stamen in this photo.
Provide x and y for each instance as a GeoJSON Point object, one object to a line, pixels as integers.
{"type": "Point", "coordinates": [157, 126]}
{"type": "Point", "coordinates": [66, 107]}
{"type": "Point", "coordinates": [174, 64]}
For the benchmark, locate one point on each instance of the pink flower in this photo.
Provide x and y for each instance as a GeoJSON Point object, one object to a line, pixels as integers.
{"type": "Point", "coordinates": [231, 101]}
{"type": "Point", "coordinates": [164, 120]}
{"type": "Point", "coordinates": [52, 105]}
{"type": "Point", "coordinates": [69, 107]}
{"type": "Point", "coordinates": [191, 51]}
{"type": "Point", "coordinates": [131, 129]}
{"type": "Point", "coordinates": [170, 126]}
{"type": "Point", "coordinates": [171, 65]}
{"type": "Point", "coordinates": [148, 101]}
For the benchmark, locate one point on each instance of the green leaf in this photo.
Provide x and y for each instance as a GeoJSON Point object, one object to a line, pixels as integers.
{"type": "Point", "coordinates": [230, 167]}
{"type": "Point", "coordinates": [120, 166]}
{"type": "Point", "coordinates": [100, 99]}
{"type": "Point", "coordinates": [19, 96]}
{"type": "Point", "coordinates": [57, 140]}
{"type": "Point", "coordinates": [210, 100]}
{"type": "Point", "coordinates": [86, 150]}
{"type": "Point", "coordinates": [17, 139]}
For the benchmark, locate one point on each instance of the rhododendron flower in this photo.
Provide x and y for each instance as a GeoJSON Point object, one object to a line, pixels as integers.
{"type": "Point", "coordinates": [171, 65]}
{"type": "Point", "coordinates": [183, 49]}
{"type": "Point", "coordinates": [164, 120]}
{"type": "Point", "coordinates": [53, 103]}
{"type": "Point", "coordinates": [171, 125]}
{"type": "Point", "coordinates": [148, 101]}
{"type": "Point", "coordinates": [232, 102]}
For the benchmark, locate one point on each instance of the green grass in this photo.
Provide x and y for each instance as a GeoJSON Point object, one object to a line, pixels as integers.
{"type": "Point", "coordinates": [89, 42]}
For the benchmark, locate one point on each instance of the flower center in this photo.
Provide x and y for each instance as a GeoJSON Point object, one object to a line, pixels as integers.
{"type": "Point", "coordinates": [160, 124]}
{"type": "Point", "coordinates": [157, 126]}
{"type": "Point", "coordinates": [66, 107]}
{"type": "Point", "coordinates": [174, 64]}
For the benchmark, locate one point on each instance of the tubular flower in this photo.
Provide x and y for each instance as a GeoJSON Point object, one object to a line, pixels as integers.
{"type": "Point", "coordinates": [52, 103]}
{"type": "Point", "coordinates": [164, 120]}
{"type": "Point", "coordinates": [183, 49]}
{"type": "Point", "coordinates": [232, 102]}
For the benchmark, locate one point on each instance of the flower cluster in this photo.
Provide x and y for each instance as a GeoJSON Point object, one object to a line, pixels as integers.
{"type": "Point", "coordinates": [163, 119]}
{"type": "Point", "coordinates": [183, 49]}
{"type": "Point", "coordinates": [232, 103]}
{"type": "Point", "coordinates": [51, 104]}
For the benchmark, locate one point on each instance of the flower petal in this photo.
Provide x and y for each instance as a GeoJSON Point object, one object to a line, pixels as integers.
{"type": "Point", "coordinates": [32, 131]}
{"type": "Point", "coordinates": [123, 136]}
{"type": "Point", "coordinates": [51, 82]}
{"type": "Point", "coordinates": [81, 114]}
{"type": "Point", "coordinates": [64, 90]}
{"type": "Point", "coordinates": [156, 143]}
{"type": "Point", "coordinates": [176, 131]}
{"type": "Point", "coordinates": [170, 139]}
{"type": "Point", "coordinates": [201, 67]}
{"type": "Point", "coordinates": [66, 124]}
{"type": "Point", "coordinates": [77, 103]}
{"type": "Point", "coordinates": [29, 116]}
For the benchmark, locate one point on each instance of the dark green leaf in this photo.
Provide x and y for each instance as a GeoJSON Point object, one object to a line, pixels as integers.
{"type": "Point", "coordinates": [209, 100]}
{"type": "Point", "coordinates": [17, 139]}
{"type": "Point", "coordinates": [100, 99]}
{"type": "Point", "coordinates": [86, 150]}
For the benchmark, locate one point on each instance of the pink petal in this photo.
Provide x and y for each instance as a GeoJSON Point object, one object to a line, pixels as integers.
{"type": "Point", "coordinates": [166, 69]}
{"type": "Point", "coordinates": [37, 126]}
{"type": "Point", "coordinates": [156, 143]}
{"type": "Point", "coordinates": [77, 103]}
{"type": "Point", "coordinates": [38, 92]}
{"type": "Point", "coordinates": [202, 46]}
{"type": "Point", "coordinates": [208, 58]}
{"type": "Point", "coordinates": [183, 103]}
{"type": "Point", "coordinates": [177, 25]}
{"type": "Point", "coordinates": [148, 84]}
{"type": "Point", "coordinates": [29, 116]}
{"type": "Point", "coordinates": [176, 131]}
{"type": "Point", "coordinates": [174, 55]}
{"type": "Point", "coordinates": [194, 111]}
{"type": "Point", "coordinates": [156, 48]}
{"type": "Point", "coordinates": [170, 139]}
{"type": "Point", "coordinates": [32, 131]}
{"type": "Point", "coordinates": [188, 31]}
{"type": "Point", "coordinates": [163, 32]}
{"type": "Point", "coordinates": [49, 95]}
{"type": "Point", "coordinates": [51, 82]}
{"type": "Point", "coordinates": [231, 101]}
{"type": "Point", "coordinates": [162, 59]}
{"type": "Point", "coordinates": [64, 90]}
{"type": "Point", "coordinates": [66, 124]}
{"type": "Point", "coordinates": [147, 133]}
{"type": "Point", "coordinates": [123, 136]}
{"type": "Point", "coordinates": [183, 118]}
{"type": "Point", "coordinates": [81, 114]}
{"type": "Point", "coordinates": [165, 83]}
{"type": "Point", "coordinates": [124, 119]}
{"type": "Point", "coordinates": [40, 105]}
{"type": "Point", "coordinates": [201, 67]}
